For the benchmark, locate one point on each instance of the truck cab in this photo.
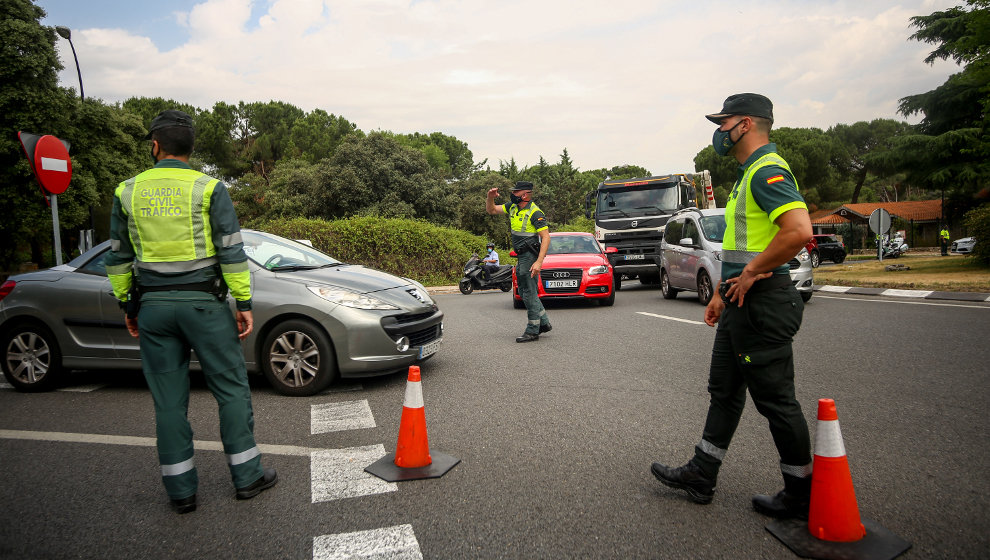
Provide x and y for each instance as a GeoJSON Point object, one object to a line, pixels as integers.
{"type": "Point", "coordinates": [630, 215]}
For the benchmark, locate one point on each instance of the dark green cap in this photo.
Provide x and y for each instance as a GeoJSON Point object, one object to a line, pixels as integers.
{"type": "Point", "coordinates": [167, 118]}
{"type": "Point", "coordinates": [523, 186]}
{"type": "Point", "coordinates": [746, 104]}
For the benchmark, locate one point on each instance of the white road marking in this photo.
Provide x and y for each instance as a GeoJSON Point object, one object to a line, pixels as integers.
{"type": "Point", "coordinates": [6, 386]}
{"type": "Point", "coordinates": [339, 473]}
{"type": "Point", "coordinates": [66, 437]}
{"type": "Point", "coordinates": [869, 299]}
{"type": "Point", "coordinates": [340, 416]}
{"type": "Point", "coordinates": [671, 318]}
{"type": "Point", "coordinates": [391, 543]}
{"type": "Point", "coordinates": [836, 289]}
{"type": "Point", "coordinates": [906, 293]}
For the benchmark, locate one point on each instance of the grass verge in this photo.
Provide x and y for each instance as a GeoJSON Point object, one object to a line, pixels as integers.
{"type": "Point", "coordinates": [954, 273]}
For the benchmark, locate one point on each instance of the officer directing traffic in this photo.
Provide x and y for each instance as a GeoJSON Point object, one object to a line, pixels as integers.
{"type": "Point", "coordinates": [175, 248]}
{"type": "Point", "coordinates": [530, 239]}
{"type": "Point", "coordinates": [758, 313]}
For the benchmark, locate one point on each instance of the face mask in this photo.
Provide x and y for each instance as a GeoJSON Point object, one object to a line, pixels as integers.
{"type": "Point", "coordinates": [154, 159]}
{"type": "Point", "coordinates": [515, 199]}
{"type": "Point", "coordinates": [722, 140]}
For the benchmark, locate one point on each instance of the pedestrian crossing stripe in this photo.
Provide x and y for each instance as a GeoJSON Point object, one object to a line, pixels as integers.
{"type": "Point", "coordinates": [339, 473]}
{"type": "Point", "coordinates": [340, 416]}
{"type": "Point", "coordinates": [391, 543]}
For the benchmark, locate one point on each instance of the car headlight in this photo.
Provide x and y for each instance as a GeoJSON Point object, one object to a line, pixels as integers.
{"type": "Point", "coordinates": [595, 270]}
{"type": "Point", "coordinates": [803, 255]}
{"type": "Point", "coordinates": [717, 255]}
{"type": "Point", "coordinates": [349, 298]}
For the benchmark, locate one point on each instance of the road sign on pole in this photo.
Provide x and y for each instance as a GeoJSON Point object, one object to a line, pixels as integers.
{"type": "Point", "coordinates": [50, 162]}
{"type": "Point", "coordinates": [880, 224]}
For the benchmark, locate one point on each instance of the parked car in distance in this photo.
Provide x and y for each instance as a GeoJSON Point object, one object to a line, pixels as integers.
{"type": "Point", "coordinates": [963, 246]}
{"type": "Point", "coordinates": [825, 247]}
{"type": "Point", "coordinates": [690, 256]}
{"type": "Point", "coordinates": [575, 268]}
{"type": "Point", "coordinates": [315, 319]}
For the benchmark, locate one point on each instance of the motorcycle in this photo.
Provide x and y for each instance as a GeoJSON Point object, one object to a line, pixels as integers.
{"type": "Point", "coordinates": [477, 278]}
{"type": "Point", "coordinates": [894, 247]}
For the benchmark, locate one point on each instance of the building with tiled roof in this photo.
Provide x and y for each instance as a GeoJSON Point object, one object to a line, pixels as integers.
{"type": "Point", "coordinates": [919, 218]}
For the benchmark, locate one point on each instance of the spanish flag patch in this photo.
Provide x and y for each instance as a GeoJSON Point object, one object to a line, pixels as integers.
{"type": "Point", "coordinates": [775, 179]}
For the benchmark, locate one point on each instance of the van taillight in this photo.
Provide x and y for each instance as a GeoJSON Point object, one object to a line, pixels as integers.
{"type": "Point", "coordinates": [7, 287]}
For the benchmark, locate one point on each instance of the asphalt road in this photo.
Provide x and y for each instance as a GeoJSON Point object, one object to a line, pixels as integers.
{"type": "Point", "coordinates": [555, 439]}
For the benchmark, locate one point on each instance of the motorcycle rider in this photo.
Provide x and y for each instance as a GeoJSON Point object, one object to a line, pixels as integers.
{"type": "Point", "coordinates": [491, 261]}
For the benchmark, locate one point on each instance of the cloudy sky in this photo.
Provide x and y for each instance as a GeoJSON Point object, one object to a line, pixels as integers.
{"type": "Point", "coordinates": [623, 81]}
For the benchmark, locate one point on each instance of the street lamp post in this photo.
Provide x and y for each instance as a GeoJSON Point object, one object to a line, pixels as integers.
{"type": "Point", "coordinates": [86, 241]}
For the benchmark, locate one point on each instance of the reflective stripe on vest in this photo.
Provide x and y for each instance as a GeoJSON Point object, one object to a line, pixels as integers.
{"type": "Point", "coordinates": [750, 230]}
{"type": "Point", "coordinates": [519, 221]}
{"type": "Point", "coordinates": [169, 222]}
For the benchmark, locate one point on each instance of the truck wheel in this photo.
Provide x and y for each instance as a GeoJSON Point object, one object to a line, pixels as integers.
{"type": "Point", "coordinates": [665, 288]}
{"type": "Point", "coordinates": [649, 279]}
{"type": "Point", "coordinates": [705, 290]}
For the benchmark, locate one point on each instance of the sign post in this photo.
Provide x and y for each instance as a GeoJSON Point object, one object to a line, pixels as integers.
{"type": "Point", "coordinates": [880, 223]}
{"type": "Point", "coordinates": [52, 166]}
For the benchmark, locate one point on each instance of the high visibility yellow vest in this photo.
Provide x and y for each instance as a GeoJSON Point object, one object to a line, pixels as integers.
{"type": "Point", "coordinates": [169, 218]}
{"type": "Point", "coordinates": [944, 234]}
{"type": "Point", "coordinates": [748, 228]}
{"type": "Point", "coordinates": [519, 219]}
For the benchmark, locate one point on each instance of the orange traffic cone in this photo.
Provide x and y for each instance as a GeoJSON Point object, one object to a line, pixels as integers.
{"type": "Point", "coordinates": [834, 529]}
{"type": "Point", "coordinates": [834, 514]}
{"type": "Point", "coordinates": [413, 459]}
{"type": "Point", "coordinates": [413, 447]}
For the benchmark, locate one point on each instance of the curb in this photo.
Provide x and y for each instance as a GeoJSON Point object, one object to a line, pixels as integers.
{"type": "Point", "coordinates": [915, 294]}
{"type": "Point", "coordinates": [888, 292]}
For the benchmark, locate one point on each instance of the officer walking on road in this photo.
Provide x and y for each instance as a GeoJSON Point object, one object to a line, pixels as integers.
{"type": "Point", "coordinates": [530, 239]}
{"type": "Point", "coordinates": [175, 248]}
{"type": "Point", "coordinates": [758, 313]}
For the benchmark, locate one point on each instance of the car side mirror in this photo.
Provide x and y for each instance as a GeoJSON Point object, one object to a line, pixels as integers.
{"type": "Point", "coordinates": [686, 241]}
{"type": "Point", "coordinates": [611, 249]}
{"type": "Point", "coordinates": [513, 253]}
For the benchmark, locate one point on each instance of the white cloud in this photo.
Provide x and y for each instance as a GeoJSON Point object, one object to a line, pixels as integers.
{"type": "Point", "coordinates": [619, 82]}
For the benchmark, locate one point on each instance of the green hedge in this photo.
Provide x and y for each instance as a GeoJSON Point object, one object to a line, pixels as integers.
{"type": "Point", "coordinates": [415, 249]}
{"type": "Point", "coordinates": [978, 226]}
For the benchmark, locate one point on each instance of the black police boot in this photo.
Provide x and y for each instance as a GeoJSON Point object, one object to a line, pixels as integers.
{"type": "Point", "coordinates": [790, 503]}
{"type": "Point", "coordinates": [689, 478]}
{"type": "Point", "coordinates": [183, 505]}
{"type": "Point", "coordinates": [546, 328]}
{"type": "Point", "coordinates": [267, 480]}
{"type": "Point", "coordinates": [526, 337]}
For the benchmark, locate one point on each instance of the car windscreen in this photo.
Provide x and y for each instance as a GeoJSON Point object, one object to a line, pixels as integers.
{"type": "Point", "coordinates": [638, 201]}
{"type": "Point", "coordinates": [713, 228]}
{"type": "Point", "coordinates": [567, 244]}
{"type": "Point", "coordinates": [277, 253]}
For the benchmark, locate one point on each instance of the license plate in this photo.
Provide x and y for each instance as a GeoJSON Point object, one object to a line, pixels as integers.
{"type": "Point", "coordinates": [562, 283]}
{"type": "Point", "coordinates": [634, 257]}
{"type": "Point", "coordinates": [429, 348]}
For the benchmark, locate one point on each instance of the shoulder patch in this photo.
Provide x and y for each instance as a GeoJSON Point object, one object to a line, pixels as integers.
{"type": "Point", "coordinates": [775, 179]}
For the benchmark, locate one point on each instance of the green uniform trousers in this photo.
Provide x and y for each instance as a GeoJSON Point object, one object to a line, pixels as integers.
{"type": "Point", "coordinates": [171, 323]}
{"type": "Point", "coordinates": [753, 350]}
{"type": "Point", "coordinates": [535, 313]}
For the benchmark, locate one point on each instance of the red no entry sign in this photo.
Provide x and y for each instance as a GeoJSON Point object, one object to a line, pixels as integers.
{"type": "Point", "coordinates": [49, 159]}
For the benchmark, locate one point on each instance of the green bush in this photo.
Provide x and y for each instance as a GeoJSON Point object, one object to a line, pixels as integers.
{"type": "Point", "coordinates": [978, 225]}
{"type": "Point", "coordinates": [580, 223]}
{"type": "Point", "coordinates": [416, 249]}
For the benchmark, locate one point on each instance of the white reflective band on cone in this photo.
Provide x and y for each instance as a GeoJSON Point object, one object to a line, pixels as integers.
{"type": "Point", "coordinates": [828, 439]}
{"type": "Point", "coordinates": [414, 395]}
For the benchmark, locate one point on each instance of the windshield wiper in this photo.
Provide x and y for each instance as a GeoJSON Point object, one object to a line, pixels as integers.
{"type": "Point", "coordinates": [615, 210]}
{"type": "Point", "coordinates": [657, 208]}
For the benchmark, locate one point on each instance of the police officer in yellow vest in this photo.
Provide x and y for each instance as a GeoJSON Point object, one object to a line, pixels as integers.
{"type": "Point", "coordinates": [530, 239]}
{"type": "Point", "coordinates": [758, 313]}
{"type": "Point", "coordinates": [943, 240]}
{"type": "Point", "coordinates": [175, 249]}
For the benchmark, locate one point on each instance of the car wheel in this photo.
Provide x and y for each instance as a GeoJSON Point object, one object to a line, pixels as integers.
{"type": "Point", "coordinates": [665, 288]}
{"type": "Point", "coordinates": [609, 301]}
{"type": "Point", "coordinates": [507, 287]}
{"type": "Point", "coordinates": [298, 358]}
{"type": "Point", "coordinates": [806, 296]}
{"type": "Point", "coordinates": [518, 304]}
{"type": "Point", "coordinates": [816, 259]}
{"type": "Point", "coordinates": [839, 258]}
{"type": "Point", "coordinates": [705, 289]}
{"type": "Point", "coordinates": [466, 287]}
{"type": "Point", "coordinates": [32, 361]}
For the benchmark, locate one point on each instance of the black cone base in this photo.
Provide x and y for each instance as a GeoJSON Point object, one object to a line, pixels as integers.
{"type": "Point", "coordinates": [386, 469]}
{"type": "Point", "coordinates": [878, 544]}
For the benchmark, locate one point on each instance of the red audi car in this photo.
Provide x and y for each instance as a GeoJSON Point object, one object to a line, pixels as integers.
{"type": "Point", "coordinates": [575, 267]}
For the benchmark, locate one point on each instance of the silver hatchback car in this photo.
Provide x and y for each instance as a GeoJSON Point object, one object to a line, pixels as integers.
{"type": "Point", "coordinates": [315, 319]}
{"type": "Point", "coordinates": [690, 252]}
